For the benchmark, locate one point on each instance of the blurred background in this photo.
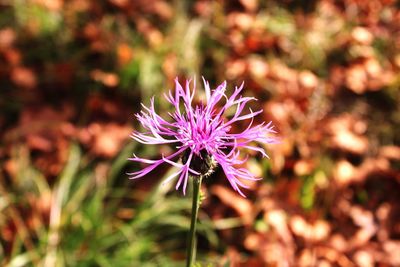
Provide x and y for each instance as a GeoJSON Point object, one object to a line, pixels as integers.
{"type": "Point", "coordinates": [72, 75]}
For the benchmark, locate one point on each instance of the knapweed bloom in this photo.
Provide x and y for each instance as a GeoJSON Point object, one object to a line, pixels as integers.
{"type": "Point", "coordinates": [202, 135]}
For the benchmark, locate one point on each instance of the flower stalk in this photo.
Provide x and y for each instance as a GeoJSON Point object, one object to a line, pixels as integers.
{"type": "Point", "coordinates": [196, 201]}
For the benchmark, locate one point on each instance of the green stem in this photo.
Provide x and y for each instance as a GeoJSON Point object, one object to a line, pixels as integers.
{"type": "Point", "coordinates": [191, 249]}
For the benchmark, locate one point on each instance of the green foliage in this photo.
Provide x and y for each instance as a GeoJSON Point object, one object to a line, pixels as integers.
{"type": "Point", "coordinates": [85, 228]}
{"type": "Point", "coordinates": [307, 196]}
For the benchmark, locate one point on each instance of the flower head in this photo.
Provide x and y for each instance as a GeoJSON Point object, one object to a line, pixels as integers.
{"type": "Point", "coordinates": [202, 135]}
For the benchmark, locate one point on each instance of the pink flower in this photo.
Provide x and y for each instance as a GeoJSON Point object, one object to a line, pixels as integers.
{"type": "Point", "coordinates": [202, 136]}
